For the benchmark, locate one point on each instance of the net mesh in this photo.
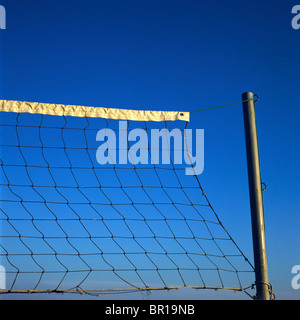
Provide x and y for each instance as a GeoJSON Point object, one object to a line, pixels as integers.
{"type": "Point", "coordinates": [69, 223]}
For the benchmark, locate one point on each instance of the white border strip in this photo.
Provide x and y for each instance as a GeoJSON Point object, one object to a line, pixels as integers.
{"type": "Point", "coordinates": [93, 112]}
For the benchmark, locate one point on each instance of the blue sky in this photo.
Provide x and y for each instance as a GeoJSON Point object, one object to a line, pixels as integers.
{"type": "Point", "coordinates": [179, 55]}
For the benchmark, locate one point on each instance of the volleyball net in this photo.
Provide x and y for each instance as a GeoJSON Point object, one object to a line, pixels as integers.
{"type": "Point", "coordinates": [99, 200]}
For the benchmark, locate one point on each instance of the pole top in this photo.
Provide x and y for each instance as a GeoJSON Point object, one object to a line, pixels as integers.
{"type": "Point", "coordinates": [250, 96]}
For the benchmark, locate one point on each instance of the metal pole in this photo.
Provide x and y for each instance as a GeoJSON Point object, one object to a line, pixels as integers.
{"type": "Point", "coordinates": [256, 202]}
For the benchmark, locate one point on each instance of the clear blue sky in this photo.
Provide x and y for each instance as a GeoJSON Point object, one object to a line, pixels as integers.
{"type": "Point", "coordinates": [179, 55]}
